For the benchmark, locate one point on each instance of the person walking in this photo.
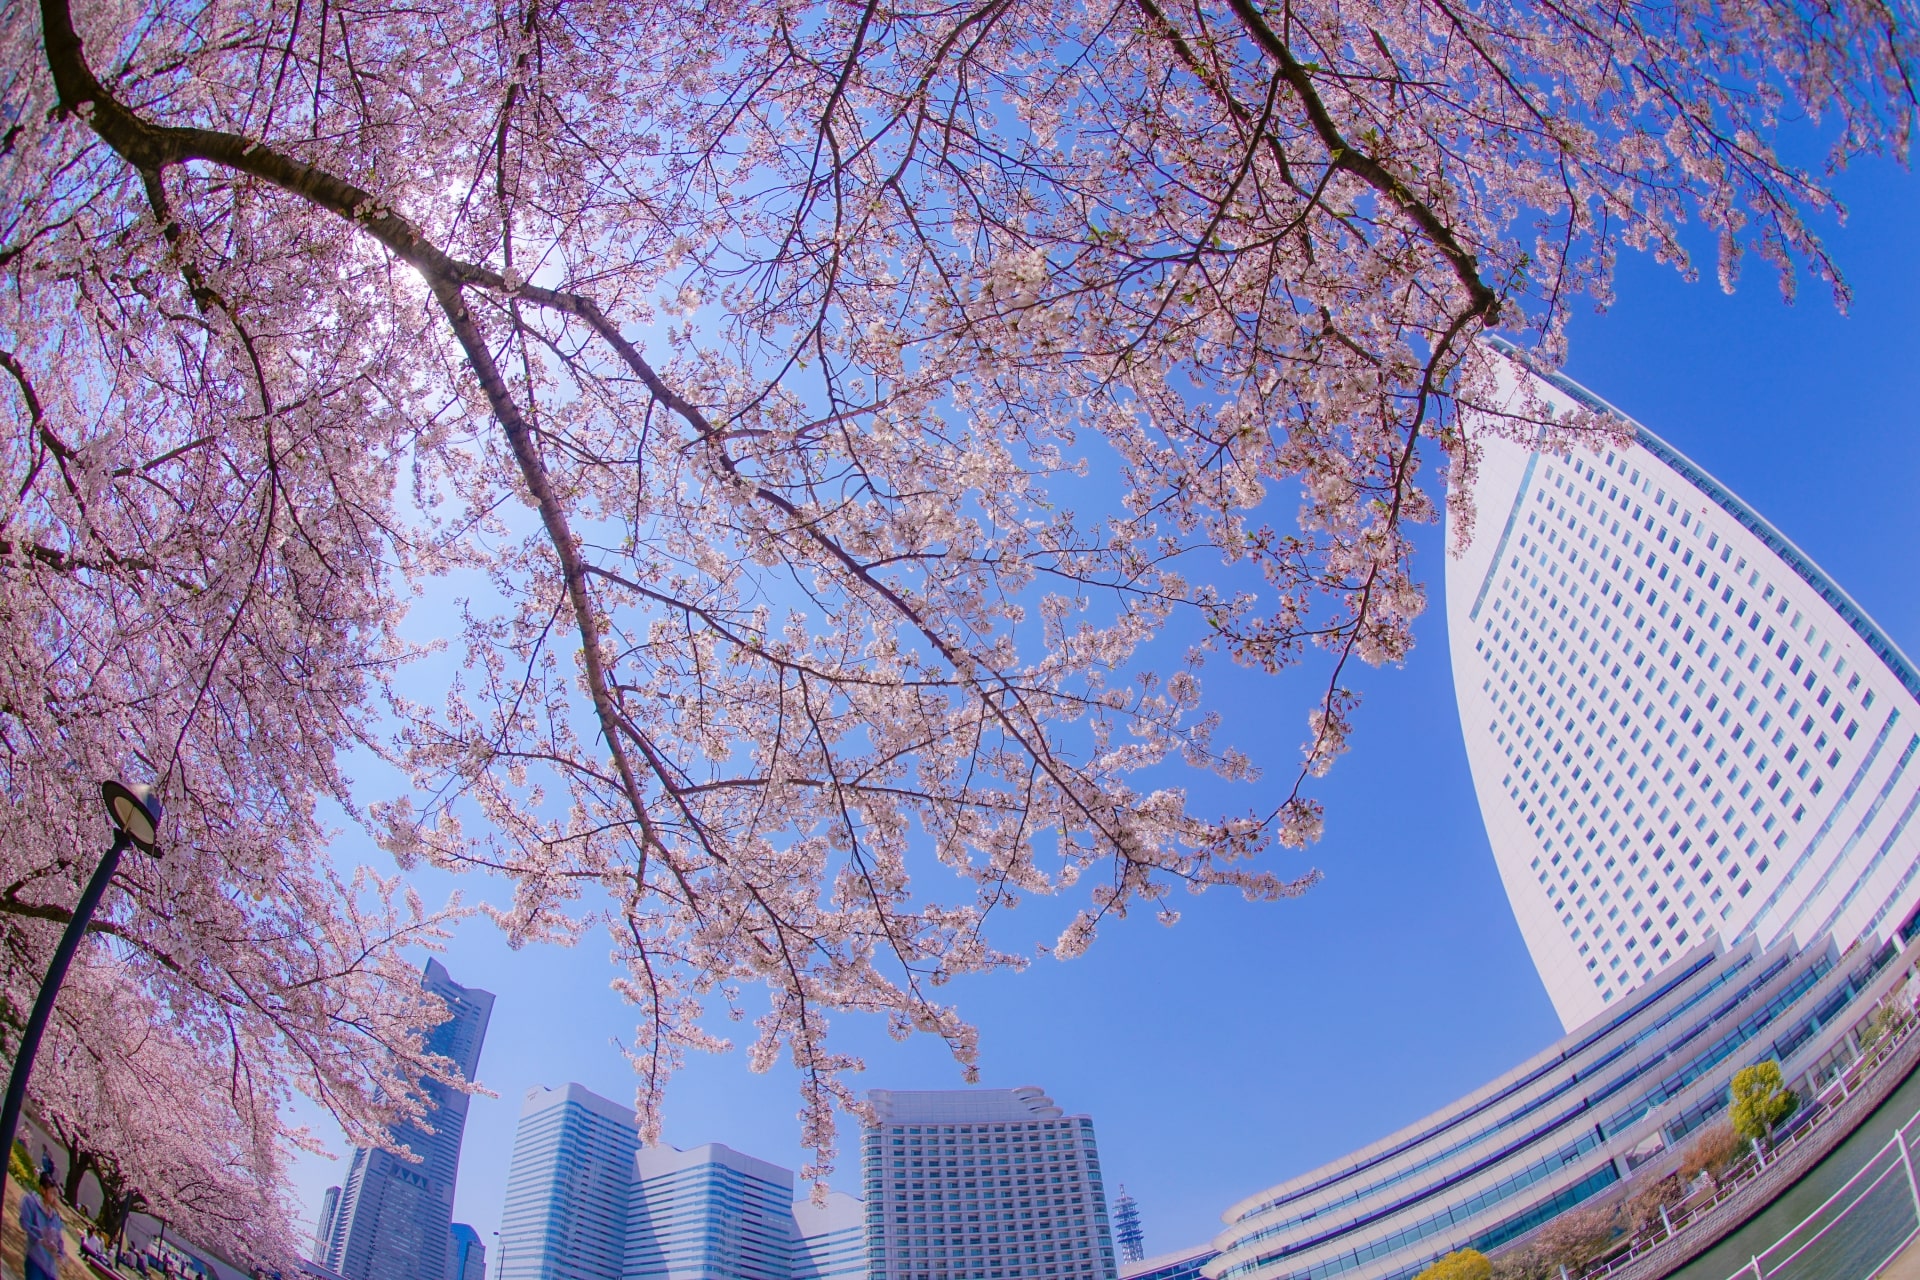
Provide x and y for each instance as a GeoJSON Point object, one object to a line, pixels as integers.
{"type": "Point", "coordinates": [46, 1234]}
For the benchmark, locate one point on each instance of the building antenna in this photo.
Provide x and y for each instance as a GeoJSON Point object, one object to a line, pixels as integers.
{"type": "Point", "coordinates": [1126, 1227]}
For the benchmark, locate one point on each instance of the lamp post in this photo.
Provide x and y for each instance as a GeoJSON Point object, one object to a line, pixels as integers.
{"type": "Point", "coordinates": [135, 812]}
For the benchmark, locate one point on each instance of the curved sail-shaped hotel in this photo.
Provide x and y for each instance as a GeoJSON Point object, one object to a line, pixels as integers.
{"type": "Point", "coordinates": [1695, 757]}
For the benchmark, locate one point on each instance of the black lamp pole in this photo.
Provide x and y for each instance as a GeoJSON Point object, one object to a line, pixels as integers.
{"type": "Point", "coordinates": [136, 819]}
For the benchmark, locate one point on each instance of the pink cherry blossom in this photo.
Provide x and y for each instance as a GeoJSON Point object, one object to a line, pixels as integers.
{"type": "Point", "coordinates": [842, 405]}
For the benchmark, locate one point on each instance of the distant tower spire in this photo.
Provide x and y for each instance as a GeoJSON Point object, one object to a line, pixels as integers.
{"type": "Point", "coordinates": [1126, 1227]}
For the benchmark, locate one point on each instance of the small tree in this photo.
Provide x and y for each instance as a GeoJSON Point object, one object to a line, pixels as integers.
{"type": "Point", "coordinates": [1887, 1021]}
{"type": "Point", "coordinates": [1576, 1238]}
{"type": "Point", "coordinates": [1711, 1153]}
{"type": "Point", "coordinates": [1524, 1262]}
{"type": "Point", "coordinates": [1760, 1101]}
{"type": "Point", "coordinates": [1641, 1211]}
{"type": "Point", "coordinates": [1461, 1264]}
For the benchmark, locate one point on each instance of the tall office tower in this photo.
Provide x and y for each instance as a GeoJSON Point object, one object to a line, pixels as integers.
{"type": "Point", "coordinates": [568, 1187]}
{"type": "Point", "coordinates": [709, 1213]}
{"type": "Point", "coordinates": [323, 1234]}
{"type": "Point", "coordinates": [830, 1241]}
{"type": "Point", "coordinates": [1678, 726]}
{"type": "Point", "coordinates": [983, 1184]}
{"type": "Point", "coordinates": [466, 1256]}
{"type": "Point", "coordinates": [393, 1215]}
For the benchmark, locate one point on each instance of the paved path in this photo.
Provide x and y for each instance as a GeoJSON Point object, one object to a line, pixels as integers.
{"type": "Point", "coordinates": [1906, 1266]}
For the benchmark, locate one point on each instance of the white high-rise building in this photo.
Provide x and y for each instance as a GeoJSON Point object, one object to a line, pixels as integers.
{"type": "Point", "coordinates": [1678, 726]}
{"type": "Point", "coordinates": [983, 1184]}
{"type": "Point", "coordinates": [1695, 758]}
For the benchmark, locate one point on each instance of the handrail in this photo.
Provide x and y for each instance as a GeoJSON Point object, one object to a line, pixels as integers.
{"type": "Point", "coordinates": [1742, 1173]}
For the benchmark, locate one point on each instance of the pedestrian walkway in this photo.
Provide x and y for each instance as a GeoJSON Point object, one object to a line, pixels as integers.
{"type": "Point", "coordinates": [1906, 1266]}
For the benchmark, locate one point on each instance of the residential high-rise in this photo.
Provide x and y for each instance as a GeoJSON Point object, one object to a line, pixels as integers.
{"type": "Point", "coordinates": [712, 1213]}
{"type": "Point", "coordinates": [983, 1184]}
{"type": "Point", "coordinates": [568, 1187]}
{"type": "Point", "coordinates": [393, 1215]}
{"type": "Point", "coordinates": [1692, 753]}
{"type": "Point", "coordinates": [1678, 725]}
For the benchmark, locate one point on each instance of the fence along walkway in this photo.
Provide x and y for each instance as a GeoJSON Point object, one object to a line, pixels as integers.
{"type": "Point", "coordinates": [1691, 1227]}
{"type": "Point", "coordinates": [1859, 1230]}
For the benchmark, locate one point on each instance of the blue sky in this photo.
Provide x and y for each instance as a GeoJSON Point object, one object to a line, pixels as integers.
{"type": "Point", "coordinates": [1250, 1043]}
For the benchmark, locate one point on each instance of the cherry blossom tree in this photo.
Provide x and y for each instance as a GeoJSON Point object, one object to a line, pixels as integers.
{"type": "Point", "coordinates": [862, 420]}
{"type": "Point", "coordinates": [169, 1127]}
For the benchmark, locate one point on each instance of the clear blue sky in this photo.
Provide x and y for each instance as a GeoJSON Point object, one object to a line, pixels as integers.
{"type": "Point", "coordinates": [1250, 1043]}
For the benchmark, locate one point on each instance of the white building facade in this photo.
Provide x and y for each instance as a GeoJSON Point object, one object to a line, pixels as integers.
{"type": "Point", "coordinates": [983, 1184]}
{"type": "Point", "coordinates": [1679, 727]}
{"type": "Point", "coordinates": [1695, 758]}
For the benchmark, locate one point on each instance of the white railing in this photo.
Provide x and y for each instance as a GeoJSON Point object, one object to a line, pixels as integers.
{"type": "Point", "coordinates": [1860, 1229]}
{"type": "Point", "coordinates": [1676, 1219]}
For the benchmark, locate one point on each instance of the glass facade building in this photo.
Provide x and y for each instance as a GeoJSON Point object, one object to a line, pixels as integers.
{"type": "Point", "coordinates": [712, 1213]}
{"type": "Point", "coordinates": [1186, 1264]}
{"type": "Point", "coordinates": [568, 1187]}
{"type": "Point", "coordinates": [585, 1201]}
{"type": "Point", "coordinates": [1567, 1125]}
{"type": "Point", "coordinates": [468, 1259]}
{"type": "Point", "coordinates": [983, 1184]}
{"type": "Point", "coordinates": [393, 1218]}
{"type": "Point", "coordinates": [1694, 757]}
{"type": "Point", "coordinates": [830, 1241]}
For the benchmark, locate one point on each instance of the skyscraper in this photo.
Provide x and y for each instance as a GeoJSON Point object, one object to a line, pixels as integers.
{"type": "Point", "coordinates": [1690, 752]}
{"type": "Point", "coordinates": [983, 1184]}
{"type": "Point", "coordinates": [1678, 725]}
{"type": "Point", "coordinates": [709, 1213]}
{"type": "Point", "coordinates": [712, 1213]}
{"type": "Point", "coordinates": [585, 1201]}
{"type": "Point", "coordinates": [323, 1235]}
{"type": "Point", "coordinates": [568, 1187]}
{"type": "Point", "coordinates": [831, 1239]}
{"type": "Point", "coordinates": [467, 1259]}
{"type": "Point", "coordinates": [394, 1216]}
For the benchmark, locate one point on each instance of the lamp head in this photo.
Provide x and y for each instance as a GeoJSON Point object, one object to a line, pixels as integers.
{"type": "Point", "coordinates": [135, 812]}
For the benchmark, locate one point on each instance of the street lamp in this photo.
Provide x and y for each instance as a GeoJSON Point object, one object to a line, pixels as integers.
{"type": "Point", "coordinates": [135, 813]}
